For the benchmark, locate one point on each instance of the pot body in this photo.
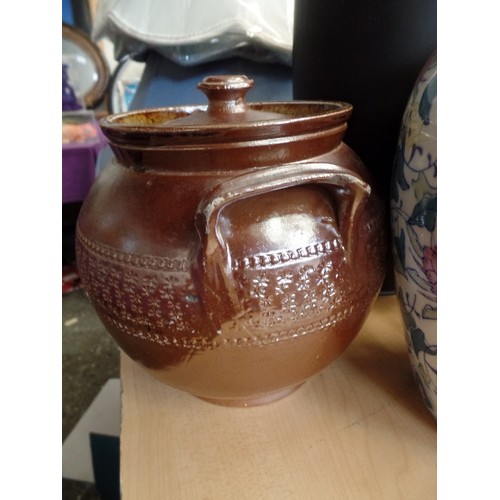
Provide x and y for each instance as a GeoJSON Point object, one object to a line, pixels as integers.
{"type": "Point", "coordinates": [233, 273]}
{"type": "Point", "coordinates": [414, 229]}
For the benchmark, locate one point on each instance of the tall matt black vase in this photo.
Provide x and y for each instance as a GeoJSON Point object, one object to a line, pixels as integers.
{"type": "Point", "coordinates": [368, 53]}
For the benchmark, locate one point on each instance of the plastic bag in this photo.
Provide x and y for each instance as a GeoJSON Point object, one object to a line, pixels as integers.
{"type": "Point", "coordinates": [191, 32]}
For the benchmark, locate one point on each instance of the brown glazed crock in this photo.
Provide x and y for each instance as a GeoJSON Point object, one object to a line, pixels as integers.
{"type": "Point", "coordinates": [233, 250]}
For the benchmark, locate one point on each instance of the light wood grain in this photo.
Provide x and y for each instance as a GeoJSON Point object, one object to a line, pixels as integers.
{"type": "Point", "coordinates": [357, 430]}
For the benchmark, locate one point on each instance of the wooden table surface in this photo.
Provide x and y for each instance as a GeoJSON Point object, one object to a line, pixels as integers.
{"type": "Point", "coordinates": [358, 430]}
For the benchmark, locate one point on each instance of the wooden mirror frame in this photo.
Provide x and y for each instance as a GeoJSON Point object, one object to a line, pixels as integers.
{"type": "Point", "coordinates": [96, 94]}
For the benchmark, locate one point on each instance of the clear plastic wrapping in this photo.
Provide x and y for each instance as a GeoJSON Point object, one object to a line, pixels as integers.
{"type": "Point", "coordinates": [191, 32]}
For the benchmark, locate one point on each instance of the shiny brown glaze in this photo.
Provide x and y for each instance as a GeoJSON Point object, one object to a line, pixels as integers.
{"type": "Point", "coordinates": [234, 259]}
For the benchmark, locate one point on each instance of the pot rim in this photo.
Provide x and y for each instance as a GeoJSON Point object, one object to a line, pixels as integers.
{"type": "Point", "coordinates": [150, 125]}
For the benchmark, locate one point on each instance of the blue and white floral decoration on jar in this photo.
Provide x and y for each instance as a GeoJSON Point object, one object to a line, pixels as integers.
{"type": "Point", "coordinates": [414, 229]}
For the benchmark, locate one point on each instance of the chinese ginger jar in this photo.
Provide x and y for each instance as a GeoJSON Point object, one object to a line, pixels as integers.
{"type": "Point", "coordinates": [414, 229]}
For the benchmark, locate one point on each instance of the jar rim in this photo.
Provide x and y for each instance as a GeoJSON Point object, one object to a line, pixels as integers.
{"type": "Point", "coordinates": [153, 125]}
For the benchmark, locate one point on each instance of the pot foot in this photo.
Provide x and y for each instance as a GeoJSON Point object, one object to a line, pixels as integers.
{"type": "Point", "coordinates": [261, 399]}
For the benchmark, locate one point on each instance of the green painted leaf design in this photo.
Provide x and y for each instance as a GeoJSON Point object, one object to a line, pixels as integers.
{"type": "Point", "coordinates": [399, 164]}
{"type": "Point", "coordinates": [425, 212]}
{"type": "Point", "coordinates": [408, 319]}
{"type": "Point", "coordinates": [428, 97]}
{"type": "Point", "coordinates": [399, 246]}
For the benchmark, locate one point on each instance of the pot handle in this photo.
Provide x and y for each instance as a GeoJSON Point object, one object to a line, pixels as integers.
{"type": "Point", "coordinates": [217, 290]}
{"type": "Point", "coordinates": [349, 191]}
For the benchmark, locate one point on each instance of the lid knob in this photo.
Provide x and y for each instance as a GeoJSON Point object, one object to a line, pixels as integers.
{"type": "Point", "coordinates": [226, 93]}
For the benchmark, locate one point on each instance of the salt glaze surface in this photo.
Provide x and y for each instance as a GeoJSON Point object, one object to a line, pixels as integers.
{"type": "Point", "coordinates": [233, 251]}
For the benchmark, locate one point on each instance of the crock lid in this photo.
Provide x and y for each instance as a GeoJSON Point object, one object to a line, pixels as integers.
{"type": "Point", "coordinates": [226, 118]}
{"type": "Point", "coordinates": [226, 103]}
